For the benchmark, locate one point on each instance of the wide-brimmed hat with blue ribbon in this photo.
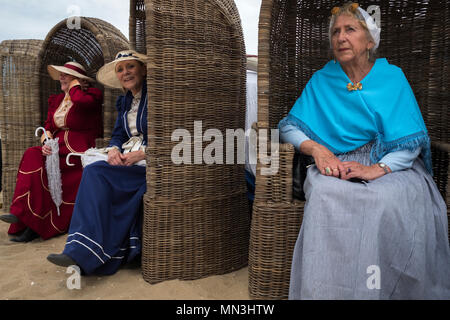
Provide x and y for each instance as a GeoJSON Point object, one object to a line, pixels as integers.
{"type": "Point", "coordinates": [107, 74]}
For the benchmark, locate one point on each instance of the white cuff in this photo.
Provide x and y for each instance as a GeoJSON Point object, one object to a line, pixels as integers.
{"type": "Point", "coordinates": [108, 149]}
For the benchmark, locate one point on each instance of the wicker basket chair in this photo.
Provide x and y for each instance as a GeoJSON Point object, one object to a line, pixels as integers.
{"type": "Point", "coordinates": [92, 45]}
{"type": "Point", "coordinates": [19, 106]}
{"type": "Point", "coordinates": [196, 219]}
{"type": "Point", "coordinates": [293, 44]}
{"type": "Point", "coordinates": [137, 26]}
{"type": "Point", "coordinates": [26, 85]}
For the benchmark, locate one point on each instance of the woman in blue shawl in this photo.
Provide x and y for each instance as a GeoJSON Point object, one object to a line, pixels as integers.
{"type": "Point", "coordinates": [105, 230]}
{"type": "Point", "coordinates": [375, 225]}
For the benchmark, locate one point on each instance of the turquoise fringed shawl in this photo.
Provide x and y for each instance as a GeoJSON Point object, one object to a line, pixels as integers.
{"type": "Point", "coordinates": [384, 111]}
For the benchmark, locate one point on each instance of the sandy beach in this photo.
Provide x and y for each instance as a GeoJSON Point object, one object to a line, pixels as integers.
{"type": "Point", "coordinates": [26, 274]}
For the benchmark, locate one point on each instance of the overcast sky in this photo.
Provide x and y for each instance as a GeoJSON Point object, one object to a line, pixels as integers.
{"type": "Point", "coordinates": [33, 19]}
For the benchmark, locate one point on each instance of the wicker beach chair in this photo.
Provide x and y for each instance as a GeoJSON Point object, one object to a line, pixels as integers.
{"type": "Point", "coordinates": [25, 84]}
{"type": "Point", "coordinates": [137, 26]}
{"type": "Point", "coordinates": [95, 43]}
{"type": "Point", "coordinates": [293, 44]}
{"type": "Point", "coordinates": [196, 219]}
{"type": "Point", "coordinates": [19, 107]}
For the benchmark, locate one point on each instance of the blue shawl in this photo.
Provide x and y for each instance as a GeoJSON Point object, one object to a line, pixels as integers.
{"type": "Point", "coordinates": [384, 111]}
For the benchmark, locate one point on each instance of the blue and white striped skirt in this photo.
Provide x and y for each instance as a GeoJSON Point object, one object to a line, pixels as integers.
{"type": "Point", "coordinates": [106, 226]}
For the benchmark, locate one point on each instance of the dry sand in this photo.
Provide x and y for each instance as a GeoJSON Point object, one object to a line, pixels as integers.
{"type": "Point", "coordinates": [26, 274]}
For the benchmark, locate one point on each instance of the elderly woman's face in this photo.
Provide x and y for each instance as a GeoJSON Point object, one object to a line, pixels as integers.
{"type": "Point", "coordinates": [65, 80]}
{"type": "Point", "coordinates": [131, 75]}
{"type": "Point", "coordinates": [349, 40]}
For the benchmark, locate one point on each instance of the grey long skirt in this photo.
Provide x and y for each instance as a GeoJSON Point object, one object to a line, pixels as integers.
{"type": "Point", "coordinates": [384, 239]}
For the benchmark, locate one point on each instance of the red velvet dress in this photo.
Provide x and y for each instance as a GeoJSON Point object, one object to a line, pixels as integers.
{"type": "Point", "coordinates": [32, 202]}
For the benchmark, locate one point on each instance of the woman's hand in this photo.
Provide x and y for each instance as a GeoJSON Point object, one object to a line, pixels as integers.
{"type": "Point", "coordinates": [43, 137]}
{"type": "Point", "coordinates": [46, 150]}
{"type": "Point", "coordinates": [327, 163]}
{"type": "Point", "coordinates": [85, 84]}
{"type": "Point", "coordinates": [114, 157]}
{"type": "Point", "coordinates": [358, 170]}
{"type": "Point", "coordinates": [132, 157]}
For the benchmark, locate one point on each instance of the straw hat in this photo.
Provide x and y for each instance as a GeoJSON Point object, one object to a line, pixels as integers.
{"type": "Point", "coordinates": [73, 68]}
{"type": "Point", "coordinates": [107, 74]}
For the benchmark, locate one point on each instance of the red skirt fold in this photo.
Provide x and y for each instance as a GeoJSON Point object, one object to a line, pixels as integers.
{"type": "Point", "coordinates": [32, 202]}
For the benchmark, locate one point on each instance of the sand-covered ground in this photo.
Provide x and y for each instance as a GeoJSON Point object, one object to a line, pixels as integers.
{"type": "Point", "coordinates": [26, 274]}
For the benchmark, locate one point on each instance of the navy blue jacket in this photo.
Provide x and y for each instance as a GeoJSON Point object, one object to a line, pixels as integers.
{"type": "Point", "coordinates": [121, 132]}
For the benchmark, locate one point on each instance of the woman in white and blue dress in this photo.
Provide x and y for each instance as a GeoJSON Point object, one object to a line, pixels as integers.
{"type": "Point", "coordinates": [105, 230]}
{"type": "Point", "coordinates": [374, 225]}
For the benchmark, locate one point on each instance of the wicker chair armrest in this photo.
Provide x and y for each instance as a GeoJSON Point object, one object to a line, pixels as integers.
{"type": "Point", "coordinates": [274, 172]}
{"type": "Point", "coordinates": [441, 168]}
{"type": "Point", "coordinates": [441, 146]}
{"type": "Point", "coordinates": [101, 142]}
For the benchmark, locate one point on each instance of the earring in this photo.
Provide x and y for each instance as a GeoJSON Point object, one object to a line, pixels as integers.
{"type": "Point", "coordinates": [368, 54]}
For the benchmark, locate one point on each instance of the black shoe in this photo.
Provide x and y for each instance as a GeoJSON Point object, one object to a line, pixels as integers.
{"type": "Point", "coordinates": [61, 260]}
{"type": "Point", "coordinates": [27, 236]}
{"type": "Point", "coordinates": [9, 218]}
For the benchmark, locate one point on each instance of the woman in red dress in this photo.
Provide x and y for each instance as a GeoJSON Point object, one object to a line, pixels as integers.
{"type": "Point", "coordinates": [74, 117]}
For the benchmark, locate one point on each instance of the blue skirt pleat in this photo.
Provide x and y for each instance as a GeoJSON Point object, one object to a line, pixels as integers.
{"type": "Point", "coordinates": [106, 227]}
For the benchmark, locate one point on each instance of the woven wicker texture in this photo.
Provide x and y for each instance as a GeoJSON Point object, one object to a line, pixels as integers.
{"type": "Point", "coordinates": [441, 169]}
{"type": "Point", "coordinates": [293, 44]}
{"type": "Point", "coordinates": [196, 220]}
{"type": "Point", "coordinates": [26, 85]}
{"type": "Point", "coordinates": [92, 45]}
{"type": "Point", "coordinates": [137, 26]}
{"type": "Point", "coordinates": [19, 106]}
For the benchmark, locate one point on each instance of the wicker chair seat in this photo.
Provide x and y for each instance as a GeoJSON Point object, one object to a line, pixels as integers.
{"type": "Point", "coordinates": [25, 85]}
{"type": "Point", "coordinates": [196, 220]}
{"type": "Point", "coordinates": [19, 94]}
{"type": "Point", "coordinates": [293, 44]}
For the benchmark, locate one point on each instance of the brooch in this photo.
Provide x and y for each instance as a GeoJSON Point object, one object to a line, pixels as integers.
{"type": "Point", "coordinates": [354, 87]}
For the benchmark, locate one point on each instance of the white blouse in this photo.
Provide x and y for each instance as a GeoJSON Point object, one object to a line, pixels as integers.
{"type": "Point", "coordinates": [132, 114]}
{"type": "Point", "coordinates": [132, 117]}
{"type": "Point", "coordinates": [60, 114]}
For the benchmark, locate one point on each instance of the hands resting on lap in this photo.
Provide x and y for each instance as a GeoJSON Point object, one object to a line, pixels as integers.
{"type": "Point", "coordinates": [328, 164]}
{"type": "Point", "coordinates": [116, 158]}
